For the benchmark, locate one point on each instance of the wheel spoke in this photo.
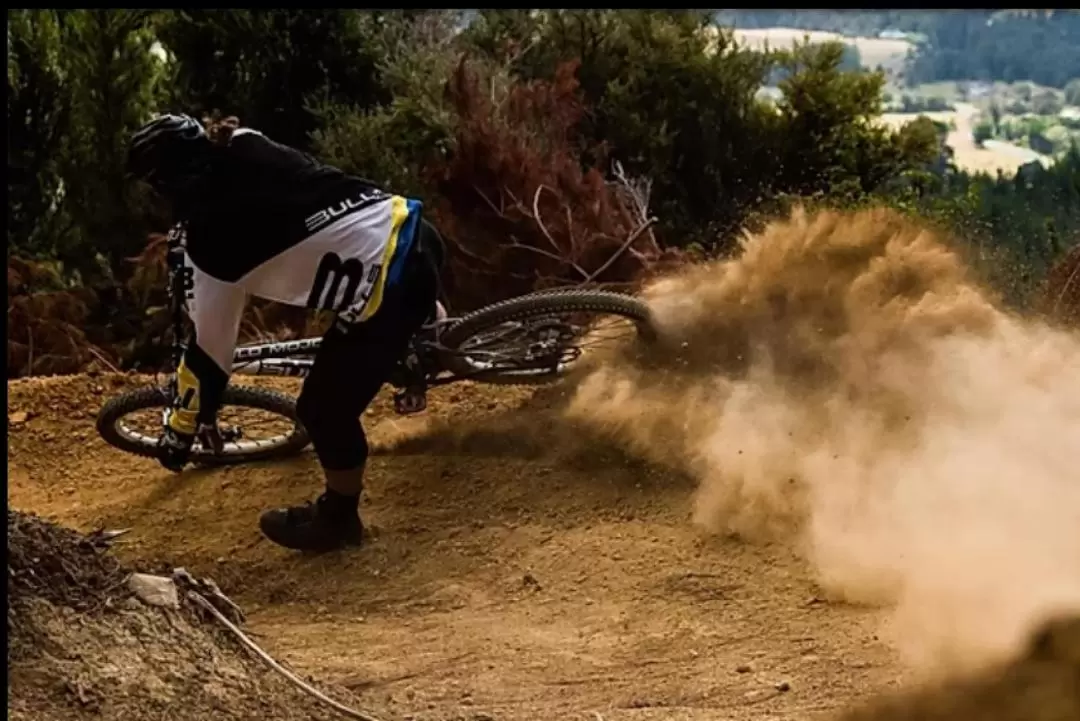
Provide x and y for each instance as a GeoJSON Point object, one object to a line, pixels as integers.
{"type": "Point", "coordinates": [257, 428]}
{"type": "Point", "coordinates": [549, 338]}
{"type": "Point", "coordinates": [536, 338]}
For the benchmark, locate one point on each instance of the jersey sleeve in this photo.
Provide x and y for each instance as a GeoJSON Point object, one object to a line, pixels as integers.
{"type": "Point", "coordinates": [207, 362]}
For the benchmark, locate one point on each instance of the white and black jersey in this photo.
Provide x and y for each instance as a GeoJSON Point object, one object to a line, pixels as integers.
{"type": "Point", "coordinates": [273, 222]}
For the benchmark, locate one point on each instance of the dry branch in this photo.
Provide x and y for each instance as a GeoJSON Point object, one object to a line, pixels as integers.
{"type": "Point", "coordinates": [269, 661]}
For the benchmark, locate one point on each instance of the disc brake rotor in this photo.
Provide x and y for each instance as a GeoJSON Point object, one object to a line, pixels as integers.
{"type": "Point", "coordinates": [548, 340]}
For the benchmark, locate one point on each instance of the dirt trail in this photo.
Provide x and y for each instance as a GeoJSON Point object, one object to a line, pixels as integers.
{"type": "Point", "coordinates": [525, 566]}
{"type": "Point", "coordinates": [512, 574]}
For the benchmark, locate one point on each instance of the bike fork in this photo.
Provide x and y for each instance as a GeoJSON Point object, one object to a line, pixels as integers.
{"type": "Point", "coordinates": [413, 397]}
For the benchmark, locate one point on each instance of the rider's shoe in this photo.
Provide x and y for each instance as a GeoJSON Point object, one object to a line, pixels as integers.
{"type": "Point", "coordinates": [312, 527]}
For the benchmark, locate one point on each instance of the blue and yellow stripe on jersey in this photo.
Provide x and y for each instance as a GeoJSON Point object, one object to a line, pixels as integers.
{"type": "Point", "coordinates": [404, 220]}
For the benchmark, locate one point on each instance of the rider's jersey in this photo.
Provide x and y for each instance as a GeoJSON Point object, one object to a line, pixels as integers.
{"type": "Point", "coordinates": [275, 223]}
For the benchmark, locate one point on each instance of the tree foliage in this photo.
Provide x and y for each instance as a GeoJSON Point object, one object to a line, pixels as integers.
{"type": "Point", "coordinates": [540, 141]}
{"type": "Point", "coordinates": [1041, 46]}
{"type": "Point", "coordinates": [79, 82]}
{"type": "Point", "coordinates": [677, 100]}
{"type": "Point", "coordinates": [270, 67]}
{"type": "Point", "coordinates": [391, 143]}
{"type": "Point", "coordinates": [38, 121]}
{"type": "Point", "coordinates": [115, 90]}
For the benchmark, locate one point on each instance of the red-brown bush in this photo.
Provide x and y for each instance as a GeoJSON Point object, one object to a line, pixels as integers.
{"type": "Point", "coordinates": [45, 328]}
{"type": "Point", "coordinates": [517, 209]}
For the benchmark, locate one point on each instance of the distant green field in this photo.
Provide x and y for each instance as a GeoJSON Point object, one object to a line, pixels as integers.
{"type": "Point", "coordinates": [889, 54]}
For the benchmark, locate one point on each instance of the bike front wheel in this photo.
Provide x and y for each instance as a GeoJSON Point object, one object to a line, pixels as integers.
{"type": "Point", "coordinates": [255, 424]}
{"type": "Point", "coordinates": [540, 337]}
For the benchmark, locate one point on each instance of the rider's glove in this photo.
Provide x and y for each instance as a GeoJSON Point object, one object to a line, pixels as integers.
{"type": "Point", "coordinates": [173, 448]}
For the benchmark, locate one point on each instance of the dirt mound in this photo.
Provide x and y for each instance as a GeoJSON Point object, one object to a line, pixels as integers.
{"type": "Point", "coordinates": [1042, 685]}
{"type": "Point", "coordinates": [57, 565]}
{"type": "Point", "coordinates": [81, 645]}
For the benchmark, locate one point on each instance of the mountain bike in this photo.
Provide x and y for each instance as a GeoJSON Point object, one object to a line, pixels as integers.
{"type": "Point", "coordinates": [531, 339]}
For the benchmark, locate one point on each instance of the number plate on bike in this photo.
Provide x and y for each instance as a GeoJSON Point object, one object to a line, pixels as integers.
{"type": "Point", "coordinates": [408, 402]}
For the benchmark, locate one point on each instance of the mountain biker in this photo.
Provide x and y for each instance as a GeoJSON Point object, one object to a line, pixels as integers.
{"type": "Point", "coordinates": [261, 218]}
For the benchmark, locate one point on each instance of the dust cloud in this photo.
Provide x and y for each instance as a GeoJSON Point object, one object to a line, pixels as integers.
{"type": "Point", "coordinates": [846, 384]}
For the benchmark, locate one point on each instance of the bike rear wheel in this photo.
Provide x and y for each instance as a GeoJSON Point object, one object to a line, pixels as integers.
{"type": "Point", "coordinates": [540, 337]}
{"type": "Point", "coordinates": [132, 422]}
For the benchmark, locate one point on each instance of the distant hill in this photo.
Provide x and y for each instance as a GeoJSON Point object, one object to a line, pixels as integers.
{"type": "Point", "coordinates": [1042, 46]}
{"type": "Point", "coordinates": [847, 22]}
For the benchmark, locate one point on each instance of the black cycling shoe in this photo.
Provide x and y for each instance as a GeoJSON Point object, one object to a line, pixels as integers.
{"type": "Point", "coordinates": [311, 528]}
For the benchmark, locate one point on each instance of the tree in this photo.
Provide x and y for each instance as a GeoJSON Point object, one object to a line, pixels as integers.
{"type": "Point", "coordinates": [669, 98]}
{"type": "Point", "coordinates": [269, 68]}
{"type": "Point", "coordinates": [39, 116]}
{"type": "Point", "coordinates": [115, 83]}
{"type": "Point", "coordinates": [828, 141]}
{"type": "Point", "coordinates": [1040, 46]}
{"type": "Point", "coordinates": [393, 143]}
{"type": "Point", "coordinates": [1046, 102]}
{"type": "Point", "coordinates": [515, 204]}
{"type": "Point", "coordinates": [511, 151]}
{"type": "Point", "coordinates": [852, 58]}
{"type": "Point", "coordinates": [676, 99]}
{"type": "Point", "coordinates": [79, 82]}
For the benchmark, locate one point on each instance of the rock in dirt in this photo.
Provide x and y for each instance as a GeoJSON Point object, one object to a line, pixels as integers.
{"type": "Point", "coordinates": [154, 590]}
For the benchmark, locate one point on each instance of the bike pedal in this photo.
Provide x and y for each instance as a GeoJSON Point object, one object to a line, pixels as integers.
{"type": "Point", "coordinates": [409, 401]}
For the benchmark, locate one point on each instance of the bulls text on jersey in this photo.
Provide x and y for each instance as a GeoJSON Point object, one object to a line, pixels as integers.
{"type": "Point", "coordinates": [327, 215]}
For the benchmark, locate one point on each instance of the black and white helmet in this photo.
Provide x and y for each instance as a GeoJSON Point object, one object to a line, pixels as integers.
{"type": "Point", "coordinates": [167, 152]}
